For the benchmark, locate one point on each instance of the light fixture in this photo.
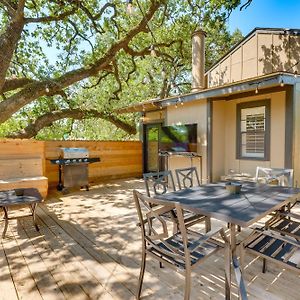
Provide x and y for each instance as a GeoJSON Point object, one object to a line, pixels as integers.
{"type": "Point", "coordinates": [295, 74]}
{"type": "Point", "coordinates": [163, 72]}
{"type": "Point", "coordinates": [47, 89]}
{"type": "Point", "coordinates": [281, 82]}
{"type": "Point", "coordinates": [176, 106]}
{"type": "Point", "coordinates": [256, 90]}
{"type": "Point", "coordinates": [129, 7]}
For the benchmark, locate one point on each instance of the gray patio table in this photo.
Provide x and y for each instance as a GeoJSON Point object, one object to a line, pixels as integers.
{"type": "Point", "coordinates": [254, 202]}
{"type": "Point", "coordinates": [19, 197]}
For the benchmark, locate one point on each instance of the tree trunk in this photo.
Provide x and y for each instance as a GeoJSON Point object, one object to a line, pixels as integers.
{"type": "Point", "coordinates": [9, 39]}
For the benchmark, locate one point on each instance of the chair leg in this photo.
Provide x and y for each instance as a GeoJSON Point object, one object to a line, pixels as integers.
{"type": "Point", "coordinates": [187, 290]}
{"type": "Point", "coordinates": [242, 257]}
{"type": "Point", "coordinates": [207, 224]}
{"type": "Point", "coordinates": [142, 271]}
{"type": "Point", "coordinates": [175, 227]}
{"type": "Point", "coordinates": [264, 267]}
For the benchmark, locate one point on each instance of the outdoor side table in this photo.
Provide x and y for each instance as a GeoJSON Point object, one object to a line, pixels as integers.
{"type": "Point", "coordinates": [16, 197]}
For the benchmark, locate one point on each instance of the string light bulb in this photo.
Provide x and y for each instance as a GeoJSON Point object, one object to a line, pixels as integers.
{"type": "Point", "coordinates": [129, 7]}
{"type": "Point", "coordinates": [163, 72]}
{"type": "Point", "coordinates": [295, 74]}
{"type": "Point", "coordinates": [152, 51]}
{"type": "Point", "coordinates": [47, 89]}
{"type": "Point", "coordinates": [281, 82]}
{"type": "Point", "coordinates": [256, 90]}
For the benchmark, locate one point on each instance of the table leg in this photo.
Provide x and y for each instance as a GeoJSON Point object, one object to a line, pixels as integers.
{"type": "Point", "coordinates": [229, 253]}
{"type": "Point", "coordinates": [33, 208]}
{"type": "Point", "coordinates": [5, 220]}
{"type": "Point", "coordinates": [227, 257]}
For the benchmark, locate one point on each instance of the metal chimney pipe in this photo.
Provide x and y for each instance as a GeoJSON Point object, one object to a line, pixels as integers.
{"type": "Point", "coordinates": [198, 60]}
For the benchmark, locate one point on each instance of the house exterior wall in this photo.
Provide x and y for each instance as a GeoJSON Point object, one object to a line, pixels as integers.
{"type": "Point", "coordinates": [296, 137]}
{"type": "Point", "coordinates": [189, 113]}
{"type": "Point", "coordinates": [260, 54]}
{"type": "Point", "coordinates": [224, 136]}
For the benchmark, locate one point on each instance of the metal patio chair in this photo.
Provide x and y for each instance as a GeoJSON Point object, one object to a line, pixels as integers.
{"type": "Point", "coordinates": [182, 251]}
{"type": "Point", "coordinates": [278, 176]}
{"type": "Point", "coordinates": [158, 183]}
{"type": "Point", "coordinates": [187, 177]}
{"type": "Point", "coordinates": [279, 238]}
{"type": "Point", "coordinates": [273, 246]}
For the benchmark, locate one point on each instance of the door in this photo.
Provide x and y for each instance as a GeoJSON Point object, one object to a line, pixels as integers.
{"type": "Point", "coordinates": [152, 161]}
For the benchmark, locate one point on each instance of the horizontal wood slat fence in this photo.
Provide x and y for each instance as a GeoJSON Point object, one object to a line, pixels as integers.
{"type": "Point", "coordinates": [118, 159]}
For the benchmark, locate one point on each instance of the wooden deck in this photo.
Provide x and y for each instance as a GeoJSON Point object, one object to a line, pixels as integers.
{"type": "Point", "coordinates": [88, 247]}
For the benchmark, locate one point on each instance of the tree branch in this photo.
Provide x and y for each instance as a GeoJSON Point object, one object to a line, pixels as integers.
{"type": "Point", "coordinates": [13, 84]}
{"type": "Point", "coordinates": [48, 19]}
{"type": "Point", "coordinates": [32, 91]}
{"type": "Point", "coordinates": [78, 114]}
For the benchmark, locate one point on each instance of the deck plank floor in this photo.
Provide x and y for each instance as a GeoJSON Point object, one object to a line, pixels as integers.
{"type": "Point", "coordinates": [88, 247]}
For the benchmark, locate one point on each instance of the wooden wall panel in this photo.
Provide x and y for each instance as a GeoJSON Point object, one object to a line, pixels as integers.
{"type": "Point", "coordinates": [22, 165]}
{"type": "Point", "coordinates": [118, 159]}
{"type": "Point", "coordinates": [17, 148]}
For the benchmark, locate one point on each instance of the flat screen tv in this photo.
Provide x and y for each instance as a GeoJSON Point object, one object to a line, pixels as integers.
{"type": "Point", "coordinates": [179, 138]}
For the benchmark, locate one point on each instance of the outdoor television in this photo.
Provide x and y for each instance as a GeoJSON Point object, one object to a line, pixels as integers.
{"type": "Point", "coordinates": [179, 138]}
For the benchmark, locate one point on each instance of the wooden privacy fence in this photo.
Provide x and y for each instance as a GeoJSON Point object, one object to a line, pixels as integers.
{"type": "Point", "coordinates": [22, 165]}
{"type": "Point", "coordinates": [21, 160]}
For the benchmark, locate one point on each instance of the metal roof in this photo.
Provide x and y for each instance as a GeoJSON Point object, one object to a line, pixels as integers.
{"type": "Point", "coordinates": [227, 90]}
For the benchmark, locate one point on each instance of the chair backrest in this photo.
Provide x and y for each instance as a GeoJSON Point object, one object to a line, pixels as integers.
{"type": "Point", "coordinates": [282, 177]}
{"type": "Point", "coordinates": [158, 183]}
{"type": "Point", "coordinates": [187, 177]}
{"type": "Point", "coordinates": [154, 228]}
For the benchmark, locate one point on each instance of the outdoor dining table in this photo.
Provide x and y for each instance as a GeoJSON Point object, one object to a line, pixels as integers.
{"type": "Point", "coordinates": [254, 202]}
{"type": "Point", "coordinates": [19, 197]}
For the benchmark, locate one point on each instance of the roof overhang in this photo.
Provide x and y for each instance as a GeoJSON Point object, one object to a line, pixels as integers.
{"type": "Point", "coordinates": [227, 90]}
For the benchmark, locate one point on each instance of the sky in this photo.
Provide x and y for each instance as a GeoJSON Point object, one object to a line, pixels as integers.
{"type": "Point", "coordinates": [266, 13]}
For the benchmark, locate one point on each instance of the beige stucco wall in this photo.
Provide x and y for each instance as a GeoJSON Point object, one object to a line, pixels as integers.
{"type": "Point", "coordinates": [194, 112]}
{"type": "Point", "coordinates": [224, 136]}
{"type": "Point", "coordinates": [260, 54]}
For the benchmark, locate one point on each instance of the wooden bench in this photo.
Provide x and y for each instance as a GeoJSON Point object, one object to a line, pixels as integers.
{"type": "Point", "coordinates": [23, 173]}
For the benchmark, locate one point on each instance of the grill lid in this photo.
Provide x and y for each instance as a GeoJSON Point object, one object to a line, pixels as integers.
{"type": "Point", "coordinates": [74, 152]}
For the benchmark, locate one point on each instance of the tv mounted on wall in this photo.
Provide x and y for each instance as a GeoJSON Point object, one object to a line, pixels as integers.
{"type": "Point", "coordinates": [179, 138]}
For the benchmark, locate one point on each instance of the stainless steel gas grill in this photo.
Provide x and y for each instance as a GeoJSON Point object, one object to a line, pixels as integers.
{"type": "Point", "coordinates": [73, 168]}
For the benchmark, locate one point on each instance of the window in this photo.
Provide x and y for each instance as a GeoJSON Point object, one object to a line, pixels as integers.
{"type": "Point", "coordinates": [253, 130]}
